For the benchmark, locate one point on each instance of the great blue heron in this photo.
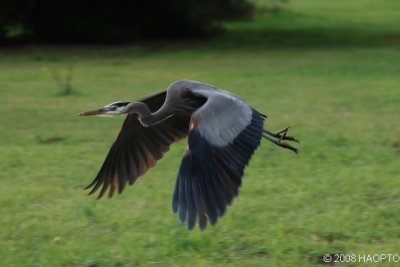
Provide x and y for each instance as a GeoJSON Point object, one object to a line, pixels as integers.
{"type": "Point", "coordinates": [223, 132]}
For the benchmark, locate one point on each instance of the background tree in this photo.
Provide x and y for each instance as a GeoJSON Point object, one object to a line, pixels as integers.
{"type": "Point", "coordinates": [115, 21]}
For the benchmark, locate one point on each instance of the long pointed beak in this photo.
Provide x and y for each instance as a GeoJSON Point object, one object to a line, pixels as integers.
{"type": "Point", "coordinates": [98, 111]}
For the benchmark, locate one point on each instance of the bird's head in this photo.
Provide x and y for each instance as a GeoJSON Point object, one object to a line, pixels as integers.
{"type": "Point", "coordinates": [115, 108]}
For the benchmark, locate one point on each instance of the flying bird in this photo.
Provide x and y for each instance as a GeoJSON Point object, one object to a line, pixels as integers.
{"type": "Point", "coordinates": [223, 133]}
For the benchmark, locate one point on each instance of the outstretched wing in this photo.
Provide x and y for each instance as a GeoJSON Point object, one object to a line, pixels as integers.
{"type": "Point", "coordinates": [137, 148]}
{"type": "Point", "coordinates": [224, 134]}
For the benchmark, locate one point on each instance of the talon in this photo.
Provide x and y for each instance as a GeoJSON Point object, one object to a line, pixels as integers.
{"type": "Point", "coordinates": [291, 138]}
{"type": "Point", "coordinates": [287, 146]}
{"type": "Point", "coordinates": [283, 134]}
{"type": "Point", "coordinates": [280, 136]}
{"type": "Point", "coordinates": [283, 131]}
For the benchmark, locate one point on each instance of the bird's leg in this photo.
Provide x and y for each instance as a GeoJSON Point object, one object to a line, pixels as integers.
{"type": "Point", "coordinates": [277, 139]}
{"type": "Point", "coordinates": [282, 135]}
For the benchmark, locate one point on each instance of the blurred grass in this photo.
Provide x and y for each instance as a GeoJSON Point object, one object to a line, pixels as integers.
{"type": "Point", "coordinates": [328, 69]}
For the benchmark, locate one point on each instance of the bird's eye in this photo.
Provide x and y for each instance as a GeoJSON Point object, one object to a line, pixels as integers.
{"type": "Point", "coordinates": [114, 108]}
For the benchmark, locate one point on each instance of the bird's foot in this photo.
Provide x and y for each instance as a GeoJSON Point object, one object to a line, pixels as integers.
{"type": "Point", "coordinates": [277, 138]}
{"type": "Point", "coordinates": [287, 146]}
{"type": "Point", "coordinates": [282, 135]}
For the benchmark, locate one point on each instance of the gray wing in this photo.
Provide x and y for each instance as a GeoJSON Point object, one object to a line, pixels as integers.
{"type": "Point", "coordinates": [224, 134]}
{"type": "Point", "coordinates": [224, 116]}
{"type": "Point", "coordinates": [137, 148]}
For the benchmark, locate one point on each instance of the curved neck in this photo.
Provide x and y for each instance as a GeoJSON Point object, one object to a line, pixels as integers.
{"type": "Point", "coordinates": [146, 117]}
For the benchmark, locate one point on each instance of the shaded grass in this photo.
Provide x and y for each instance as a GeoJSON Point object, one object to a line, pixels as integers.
{"type": "Point", "coordinates": [341, 194]}
{"type": "Point", "coordinates": [311, 24]}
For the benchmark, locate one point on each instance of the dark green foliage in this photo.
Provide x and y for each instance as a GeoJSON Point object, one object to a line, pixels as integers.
{"type": "Point", "coordinates": [116, 21]}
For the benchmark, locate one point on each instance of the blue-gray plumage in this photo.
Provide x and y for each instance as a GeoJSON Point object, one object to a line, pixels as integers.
{"type": "Point", "coordinates": [224, 131]}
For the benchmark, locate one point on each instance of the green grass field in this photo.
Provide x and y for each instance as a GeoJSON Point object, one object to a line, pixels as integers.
{"type": "Point", "coordinates": [328, 69]}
